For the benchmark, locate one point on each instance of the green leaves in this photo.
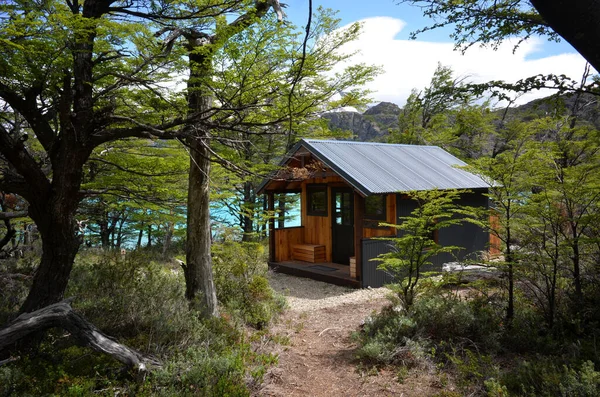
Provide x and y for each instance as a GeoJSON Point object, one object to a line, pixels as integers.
{"type": "Point", "coordinates": [484, 22]}
{"type": "Point", "coordinates": [417, 241]}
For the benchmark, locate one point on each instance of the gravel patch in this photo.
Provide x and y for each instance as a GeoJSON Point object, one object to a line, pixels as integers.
{"type": "Point", "coordinates": [304, 294]}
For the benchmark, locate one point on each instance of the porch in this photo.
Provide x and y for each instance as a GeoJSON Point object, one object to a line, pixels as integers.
{"type": "Point", "coordinates": [328, 272]}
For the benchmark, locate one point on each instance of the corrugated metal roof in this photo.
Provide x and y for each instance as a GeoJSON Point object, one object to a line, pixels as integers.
{"type": "Point", "coordinates": [375, 168]}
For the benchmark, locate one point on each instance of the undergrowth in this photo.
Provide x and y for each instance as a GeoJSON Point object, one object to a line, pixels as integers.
{"type": "Point", "coordinates": [465, 335]}
{"type": "Point", "coordinates": [141, 302]}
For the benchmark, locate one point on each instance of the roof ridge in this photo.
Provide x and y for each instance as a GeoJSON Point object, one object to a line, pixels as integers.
{"type": "Point", "coordinates": [312, 140]}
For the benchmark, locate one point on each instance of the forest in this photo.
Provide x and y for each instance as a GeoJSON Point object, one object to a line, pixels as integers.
{"type": "Point", "coordinates": [133, 243]}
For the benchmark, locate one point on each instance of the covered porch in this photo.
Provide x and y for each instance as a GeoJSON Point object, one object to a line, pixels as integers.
{"type": "Point", "coordinates": [328, 272]}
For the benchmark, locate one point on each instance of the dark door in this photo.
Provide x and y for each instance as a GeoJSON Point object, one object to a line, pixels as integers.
{"type": "Point", "coordinates": [342, 229]}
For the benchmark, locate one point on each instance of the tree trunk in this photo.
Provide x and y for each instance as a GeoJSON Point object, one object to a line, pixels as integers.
{"type": "Point", "coordinates": [168, 237]}
{"type": "Point", "coordinates": [281, 215]}
{"type": "Point", "coordinates": [149, 245]}
{"type": "Point", "coordinates": [140, 235]}
{"type": "Point", "coordinates": [263, 227]}
{"type": "Point", "coordinates": [510, 309]}
{"type": "Point", "coordinates": [248, 205]}
{"type": "Point", "coordinates": [62, 315]}
{"type": "Point", "coordinates": [10, 234]}
{"type": "Point", "coordinates": [53, 208]}
{"type": "Point", "coordinates": [575, 258]}
{"type": "Point", "coordinates": [200, 287]}
{"type": "Point", "coordinates": [55, 219]}
{"type": "Point", "coordinates": [120, 236]}
{"type": "Point", "coordinates": [508, 256]}
{"type": "Point", "coordinates": [106, 229]}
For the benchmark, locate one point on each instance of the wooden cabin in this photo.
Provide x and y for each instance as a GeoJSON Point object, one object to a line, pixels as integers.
{"type": "Point", "coordinates": [346, 189]}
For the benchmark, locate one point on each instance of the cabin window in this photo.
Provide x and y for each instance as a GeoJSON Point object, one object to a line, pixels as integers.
{"type": "Point", "coordinates": [287, 207]}
{"type": "Point", "coordinates": [375, 208]}
{"type": "Point", "coordinates": [316, 200]}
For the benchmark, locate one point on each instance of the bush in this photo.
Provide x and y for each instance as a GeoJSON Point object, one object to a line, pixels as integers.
{"type": "Point", "coordinates": [240, 271]}
{"type": "Point", "coordinates": [543, 376]}
{"type": "Point", "coordinates": [468, 337]}
{"type": "Point", "coordinates": [136, 298]}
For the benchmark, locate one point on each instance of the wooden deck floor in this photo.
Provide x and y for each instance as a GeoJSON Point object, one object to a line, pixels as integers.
{"type": "Point", "coordinates": [340, 276]}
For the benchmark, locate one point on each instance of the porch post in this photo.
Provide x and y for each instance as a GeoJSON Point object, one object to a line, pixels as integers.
{"type": "Point", "coordinates": [359, 207]}
{"type": "Point", "coordinates": [271, 208]}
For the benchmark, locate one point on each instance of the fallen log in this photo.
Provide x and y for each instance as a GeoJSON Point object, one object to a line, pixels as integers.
{"type": "Point", "coordinates": [62, 315]}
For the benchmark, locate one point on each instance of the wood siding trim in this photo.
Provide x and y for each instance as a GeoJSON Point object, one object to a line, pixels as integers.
{"type": "Point", "coordinates": [495, 242]}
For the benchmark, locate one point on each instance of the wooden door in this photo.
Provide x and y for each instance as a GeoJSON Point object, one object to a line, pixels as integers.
{"type": "Point", "coordinates": [342, 228]}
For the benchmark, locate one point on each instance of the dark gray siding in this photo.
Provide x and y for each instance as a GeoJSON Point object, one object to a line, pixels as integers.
{"type": "Point", "coordinates": [467, 235]}
{"type": "Point", "coordinates": [470, 237]}
{"type": "Point", "coordinates": [371, 277]}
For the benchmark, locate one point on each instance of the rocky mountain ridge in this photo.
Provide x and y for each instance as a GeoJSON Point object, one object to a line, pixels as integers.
{"type": "Point", "coordinates": [375, 123]}
{"type": "Point", "coordinates": [372, 125]}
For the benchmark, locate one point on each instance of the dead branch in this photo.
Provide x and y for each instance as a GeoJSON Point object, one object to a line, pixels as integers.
{"type": "Point", "coordinates": [61, 315]}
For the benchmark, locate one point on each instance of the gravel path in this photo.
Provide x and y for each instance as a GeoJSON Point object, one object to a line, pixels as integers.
{"type": "Point", "coordinates": [304, 294]}
{"type": "Point", "coordinates": [319, 359]}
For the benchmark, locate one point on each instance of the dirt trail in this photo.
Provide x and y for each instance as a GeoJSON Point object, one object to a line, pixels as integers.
{"type": "Point", "coordinates": [319, 358]}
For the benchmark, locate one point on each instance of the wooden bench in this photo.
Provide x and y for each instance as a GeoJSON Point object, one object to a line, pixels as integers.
{"type": "Point", "coordinates": [308, 253]}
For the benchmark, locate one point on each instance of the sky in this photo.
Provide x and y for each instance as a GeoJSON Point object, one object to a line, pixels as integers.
{"type": "Point", "coordinates": [409, 64]}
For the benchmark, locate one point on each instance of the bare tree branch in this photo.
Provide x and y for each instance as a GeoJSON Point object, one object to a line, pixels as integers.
{"type": "Point", "coordinates": [62, 315]}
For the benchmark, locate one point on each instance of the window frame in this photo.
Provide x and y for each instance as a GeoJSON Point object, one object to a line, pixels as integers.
{"type": "Point", "coordinates": [310, 190]}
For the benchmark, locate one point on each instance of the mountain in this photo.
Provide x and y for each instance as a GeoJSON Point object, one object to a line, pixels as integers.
{"type": "Point", "coordinates": [372, 125]}
{"type": "Point", "coordinates": [375, 123]}
{"type": "Point", "coordinates": [586, 106]}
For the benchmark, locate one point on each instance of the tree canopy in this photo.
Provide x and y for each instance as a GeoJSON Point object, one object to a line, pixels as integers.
{"type": "Point", "coordinates": [487, 22]}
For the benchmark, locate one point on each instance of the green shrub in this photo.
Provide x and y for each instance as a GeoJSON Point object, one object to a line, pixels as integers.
{"type": "Point", "coordinates": [140, 301]}
{"type": "Point", "coordinates": [136, 298]}
{"type": "Point", "coordinates": [240, 271]}
{"type": "Point", "coordinates": [545, 376]}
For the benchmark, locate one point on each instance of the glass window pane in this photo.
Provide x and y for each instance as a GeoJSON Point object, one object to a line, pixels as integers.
{"type": "Point", "coordinates": [317, 200]}
{"type": "Point", "coordinates": [375, 207]}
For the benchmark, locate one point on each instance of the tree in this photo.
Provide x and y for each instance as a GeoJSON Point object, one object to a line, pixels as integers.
{"type": "Point", "coordinates": [251, 76]}
{"type": "Point", "coordinates": [445, 114]}
{"type": "Point", "coordinates": [416, 245]}
{"type": "Point", "coordinates": [9, 210]}
{"type": "Point", "coordinates": [132, 185]}
{"type": "Point", "coordinates": [265, 56]}
{"type": "Point", "coordinates": [508, 174]}
{"type": "Point", "coordinates": [573, 150]}
{"type": "Point", "coordinates": [74, 76]}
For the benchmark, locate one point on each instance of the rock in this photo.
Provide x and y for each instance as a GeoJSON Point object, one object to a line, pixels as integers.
{"type": "Point", "coordinates": [373, 125]}
{"type": "Point", "coordinates": [386, 108]}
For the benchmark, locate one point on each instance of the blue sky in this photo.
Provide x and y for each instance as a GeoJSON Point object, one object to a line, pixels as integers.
{"type": "Point", "coordinates": [409, 64]}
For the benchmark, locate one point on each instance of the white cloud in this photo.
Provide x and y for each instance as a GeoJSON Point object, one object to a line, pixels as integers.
{"type": "Point", "coordinates": [409, 64]}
